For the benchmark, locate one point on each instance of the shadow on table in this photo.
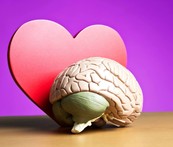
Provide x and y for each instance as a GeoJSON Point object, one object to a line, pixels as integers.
{"type": "Point", "coordinates": [41, 124]}
{"type": "Point", "coordinates": [34, 123]}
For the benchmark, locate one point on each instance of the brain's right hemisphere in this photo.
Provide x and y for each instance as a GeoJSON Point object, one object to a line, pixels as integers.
{"type": "Point", "coordinates": [106, 78]}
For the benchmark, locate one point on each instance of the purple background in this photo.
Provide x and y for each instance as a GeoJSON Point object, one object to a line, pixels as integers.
{"type": "Point", "coordinates": [146, 28]}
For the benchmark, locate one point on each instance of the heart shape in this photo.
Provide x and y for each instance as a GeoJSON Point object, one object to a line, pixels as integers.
{"type": "Point", "coordinates": [41, 49]}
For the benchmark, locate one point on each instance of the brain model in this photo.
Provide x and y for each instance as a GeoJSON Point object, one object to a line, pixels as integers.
{"type": "Point", "coordinates": [95, 91]}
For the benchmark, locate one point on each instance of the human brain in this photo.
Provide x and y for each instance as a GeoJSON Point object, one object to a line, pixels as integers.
{"type": "Point", "coordinates": [107, 78]}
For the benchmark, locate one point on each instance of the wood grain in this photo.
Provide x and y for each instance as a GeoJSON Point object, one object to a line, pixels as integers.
{"type": "Point", "coordinates": [151, 129]}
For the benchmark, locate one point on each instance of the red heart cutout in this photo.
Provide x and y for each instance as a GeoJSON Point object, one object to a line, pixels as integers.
{"type": "Point", "coordinates": [41, 49]}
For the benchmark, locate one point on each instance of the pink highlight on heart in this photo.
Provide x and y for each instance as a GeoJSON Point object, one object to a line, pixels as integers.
{"type": "Point", "coordinates": [41, 49]}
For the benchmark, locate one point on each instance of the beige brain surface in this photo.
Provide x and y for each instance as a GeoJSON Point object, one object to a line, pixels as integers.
{"type": "Point", "coordinates": [106, 78]}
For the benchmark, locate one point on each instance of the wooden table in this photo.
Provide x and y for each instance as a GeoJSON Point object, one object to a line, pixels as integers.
{"type": "Point", "coordinates": [150, 130]}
